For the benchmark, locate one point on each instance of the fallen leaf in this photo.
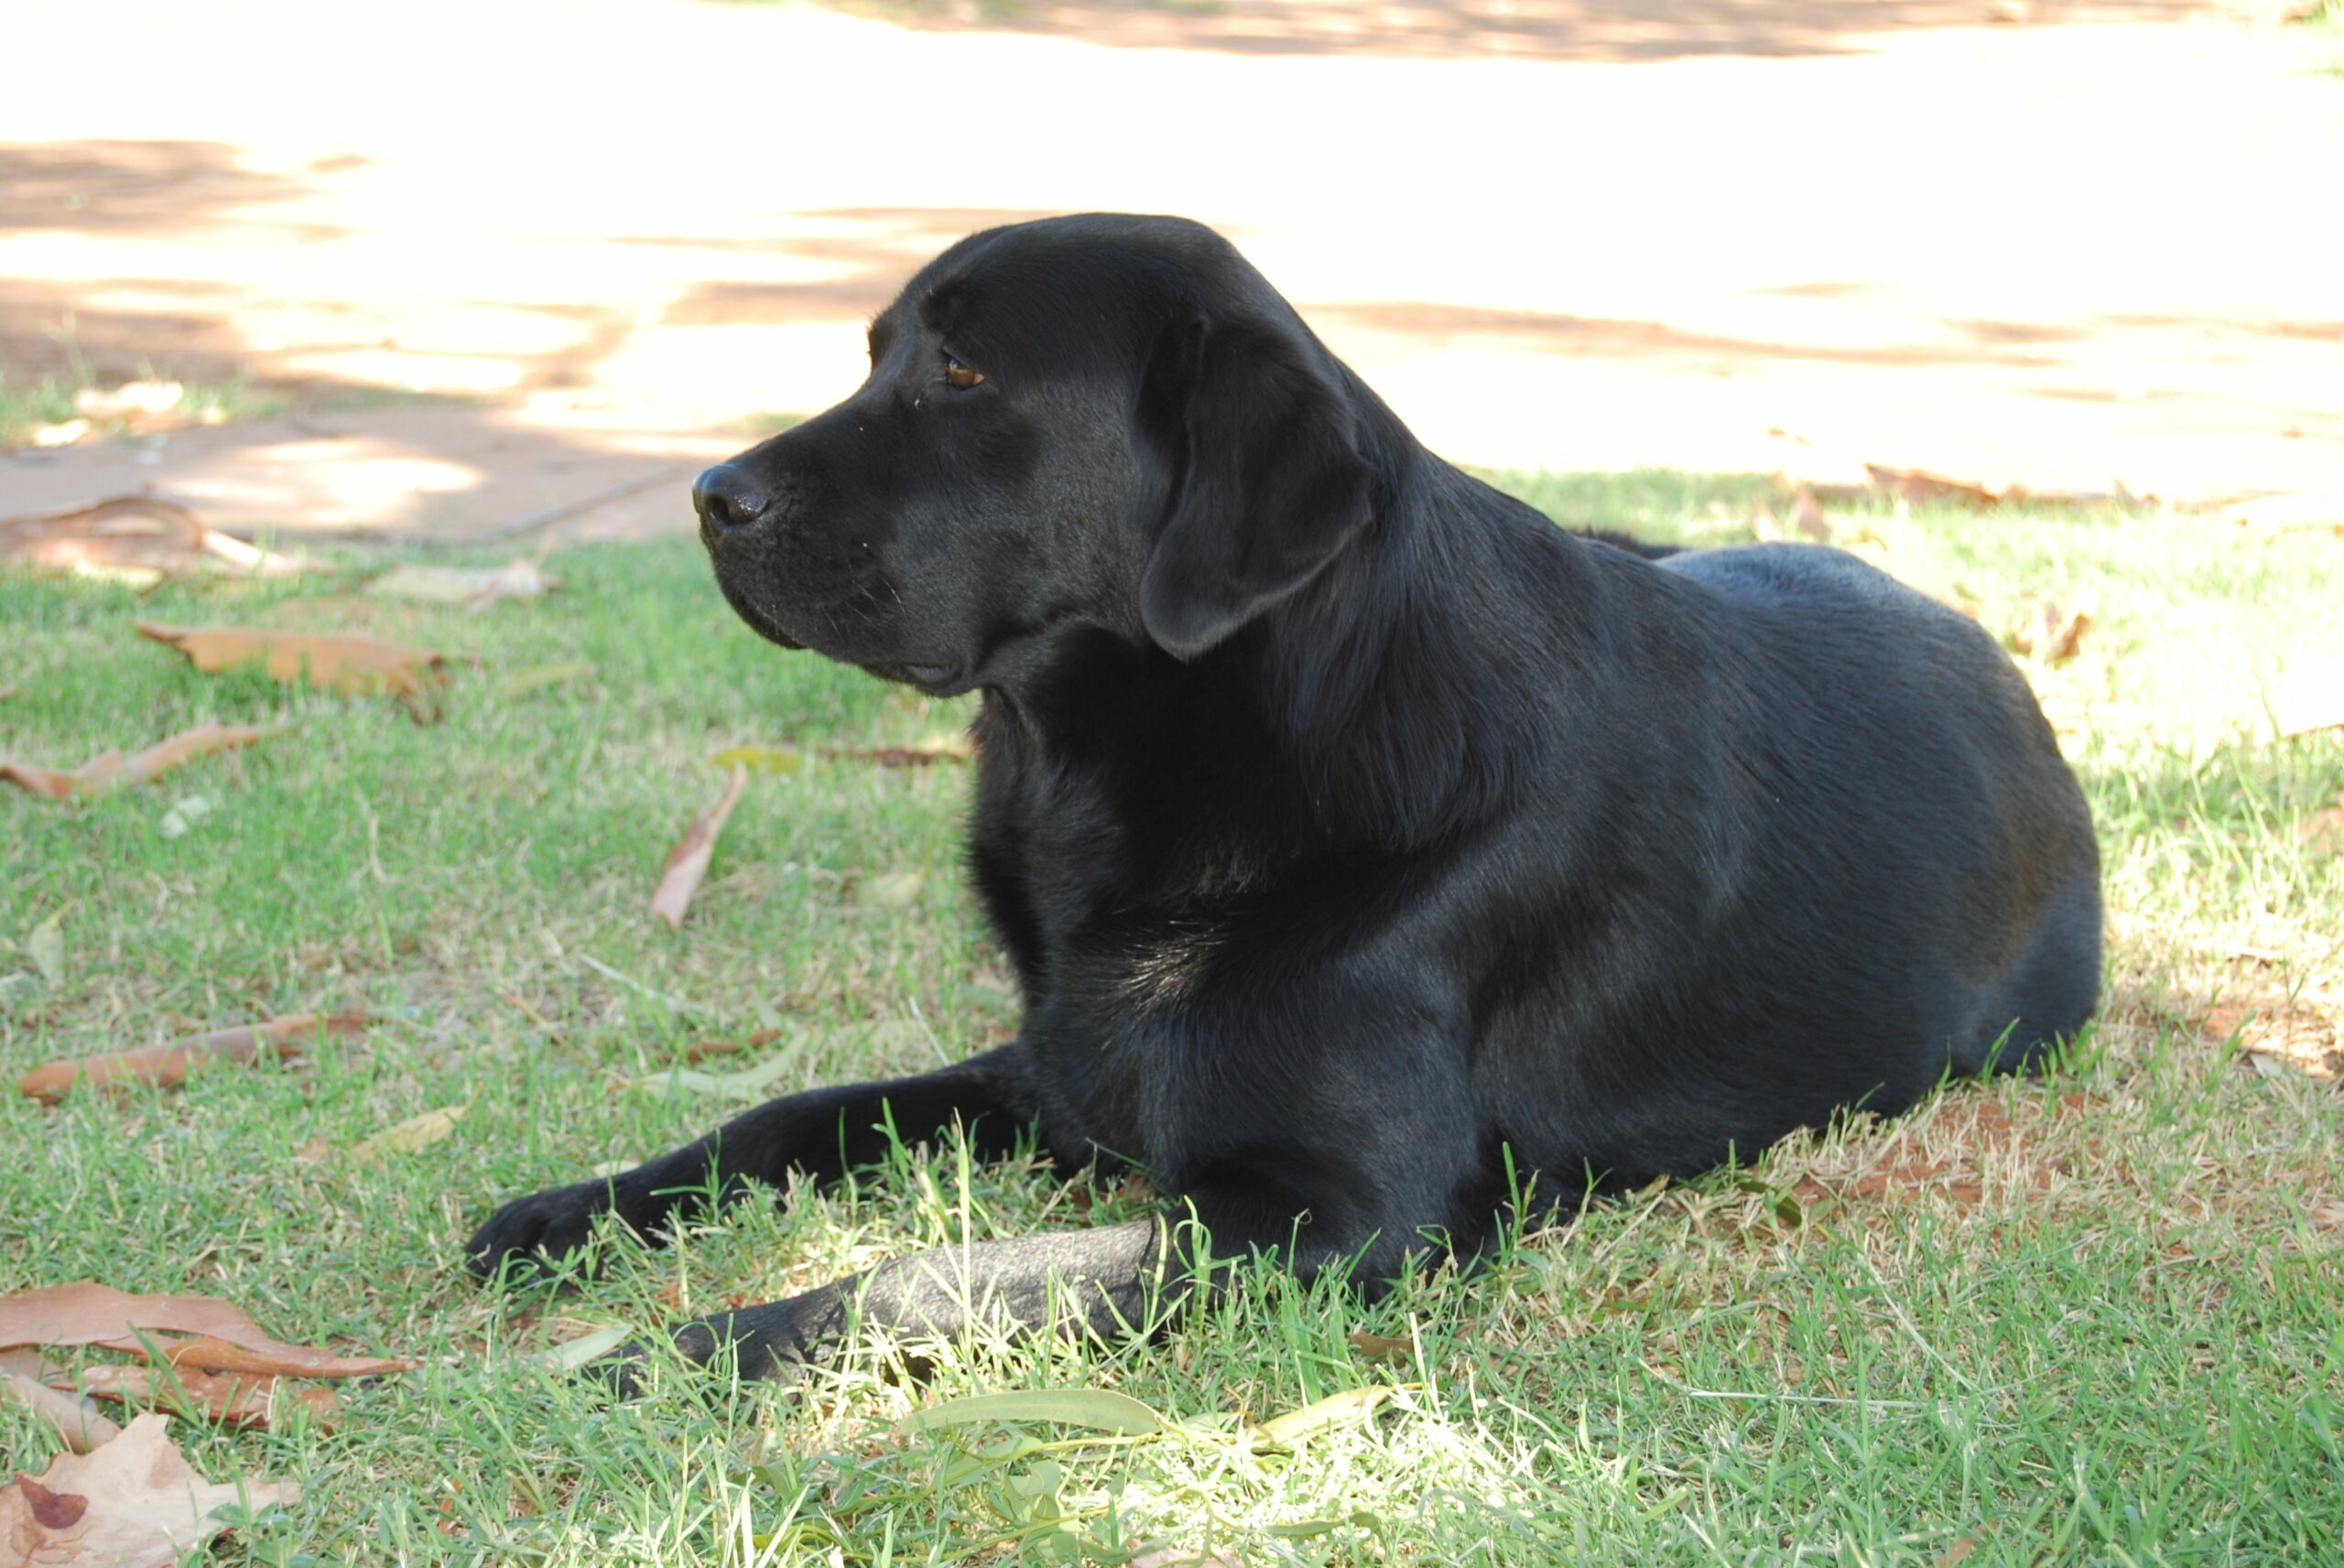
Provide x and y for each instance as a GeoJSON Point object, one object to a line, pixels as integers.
{"type": "Point", "coordinates": [1182, 1557]}
{"type": "Point", "coordinates": [64, 435]}
{"type": "Point", "coordinates": [1098, 1410]}
{"type": "Point", "coordinates": [149, 398]}
{"type": "Point", "coordinates": [516, 578]}
{"type": "Point", "coordinates": [46, 948]}
{"type": "Point", "coordinates": [688, 861]}
{"type": "Point", "coordinates": [2048, 633]}
{"type": "Point", "coordinates": [474, 588]}
{"type": "Point", "coordinates": [1383, 1346]}
{"type": "Point", "coordinates": [7, 691]}
{"type": "Point", "coordinates": [183, 816]}
{"type": "Point", "coordinates": [350, 665]}
{"type": "Point", "coordinates": [314, 1150]}
{"type": "Point", "coordinates": [136, 534]}
{"type": "Point", "coordinates": [107, 770]}
{"type": "Point", "coordinates": [1917, 488]}
{"type": "Point", "coordinates": [761, 759]}
{"type": "Point", "coordinates": [572, 1354]}
{"type": "Point", "coordinates": [901, 756]}
{"type": "Point", "coordinates": [134, 1503]}
{"type": "Point", "coordinates": [748, 1085]}
{"type": "Point", "coordinates": [76, 1420]}
{"type": "Point", "coordinates": [1958, 1552]}
{"type": "Point", "coordinates": [413, 1135]}
{"type": "Point", "coordinates": [1765, 527]}
{"type": "Point", "coordinates": [1348, 1408]}
{"type": "Point", "coordinates": [190, 744]}
{"type": "Point", "coordinates": [95, 776]}
{"type": "Point", "coordinates": [165, 1066]}
{"type": "Point", "coordinates": [894, 890]}
{"type": "Point", "coordinates": [237, 1398]}
{"type": "Point", "coordinates": [1807, 516]}
{"type": "Point", "coordinates": [707, 1048]}
{"type": "Point", "coordinates": [226, 1339]}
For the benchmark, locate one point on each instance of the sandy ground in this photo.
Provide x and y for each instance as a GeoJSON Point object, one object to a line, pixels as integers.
{"type": "Point", "coordinates": [2060, 245]}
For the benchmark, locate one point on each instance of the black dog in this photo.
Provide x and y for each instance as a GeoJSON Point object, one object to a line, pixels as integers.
{"type": "Point", "coordinates": [1365, 844]}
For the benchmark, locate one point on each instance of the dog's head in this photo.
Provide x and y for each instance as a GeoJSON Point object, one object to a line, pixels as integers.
{"type": "Point", "coordinates": [1094, 423]}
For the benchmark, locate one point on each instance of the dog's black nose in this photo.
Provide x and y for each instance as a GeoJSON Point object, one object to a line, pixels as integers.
{"type": "Point", "coordinates": [727, 499]}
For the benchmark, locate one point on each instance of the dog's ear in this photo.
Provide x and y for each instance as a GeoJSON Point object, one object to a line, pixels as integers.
{"type": "Point", "coordinates": [1263, 478]}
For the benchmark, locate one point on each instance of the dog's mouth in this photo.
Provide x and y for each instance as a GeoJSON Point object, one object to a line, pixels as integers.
{"type": "Point", "coordinates": [933, 680]}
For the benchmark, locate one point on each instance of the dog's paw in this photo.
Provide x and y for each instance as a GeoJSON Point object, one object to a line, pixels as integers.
{"type": "Point", "coordinates": [698, 1352]}
{"type": "Point", "coordinates": [527, 1237]}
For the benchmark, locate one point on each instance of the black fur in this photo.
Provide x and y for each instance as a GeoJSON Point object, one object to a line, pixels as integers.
{"type": "Point", "coordinates": [1366, 845]}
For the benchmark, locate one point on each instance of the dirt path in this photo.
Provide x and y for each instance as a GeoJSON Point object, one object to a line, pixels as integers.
{"type": "Point", "coordinates": [1779, 234]}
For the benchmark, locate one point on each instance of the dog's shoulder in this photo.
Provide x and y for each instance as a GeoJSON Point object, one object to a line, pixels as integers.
{"type": "Point", "coordinates": [1812, 582]}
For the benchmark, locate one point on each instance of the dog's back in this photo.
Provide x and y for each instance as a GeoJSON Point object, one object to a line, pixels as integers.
{"type": "Point", "coordinates": [1862, 864]}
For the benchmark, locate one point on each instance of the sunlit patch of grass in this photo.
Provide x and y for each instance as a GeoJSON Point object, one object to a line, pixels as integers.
{"type": "Point", "coordinates": [2086, 1317]}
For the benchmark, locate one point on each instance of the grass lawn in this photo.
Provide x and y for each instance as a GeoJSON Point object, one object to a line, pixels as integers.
{"type": "Point", "coordinates": [2092, 1318]}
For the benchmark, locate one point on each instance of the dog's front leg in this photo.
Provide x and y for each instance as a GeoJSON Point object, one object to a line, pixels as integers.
{"type": "Point", "coordinates": [821, 1134]}
{"type": "Point", "coordinates": [1112, 1280]}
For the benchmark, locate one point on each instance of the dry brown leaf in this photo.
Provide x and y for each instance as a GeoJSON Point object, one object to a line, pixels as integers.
{"type": "Point", "coordinates": [2048, 633]}
{"type": "Point", "coordinates": [8, 690]}
{"type": "Point", "coordinates": [899, 756]}
{"type": "Point", "coordinates": [107, 770]}
{"type": "Point", "coordinates": [1383, 1346]}
{"type": "Point", "coordinates": [1958, 1552]}
{"type": "Point", "coordinates": [251, 1398]}
{"type": "Point", "coordinates": [1807, 516]}
{"type": "Point", "coordinates": [165, 1066]}
{"type": "Point", "coordinates": [93, 777]}
{"type": "Point", "coordinates": [707, 1048]}
{"type": "Point", "coordinates": [134, 1503]}
{"type": "Point", "coordinates": [1917, 488]}
{"type": "Point", "coordinates": [136, 535]}
{"type": "Point", "coordinates": [190, 744]}
{"type": "Point", "coordinates": [350, 665]}
{"type": "Point", "coordinates": [688, 861]}
{"type": "Point", "coordinates": [413, 1135]}
{"type": "Point", "coordinates": [1765, 527]}
{"type": "Point", "coordinates": [226, 1339]}
{"type": "Point", "coordinates": [76, 1420]}
{"type": "Point", "coordinates": [1182, 1557]}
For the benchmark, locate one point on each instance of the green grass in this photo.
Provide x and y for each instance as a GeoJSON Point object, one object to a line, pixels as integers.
{"type": "Point", "coordinates": [2091, 1318]}
{"type": "Point", "coordinates": [26, 406]}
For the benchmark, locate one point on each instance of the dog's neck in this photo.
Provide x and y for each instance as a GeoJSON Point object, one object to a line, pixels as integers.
{"type": "Point", "coordinates": [1395, 680]}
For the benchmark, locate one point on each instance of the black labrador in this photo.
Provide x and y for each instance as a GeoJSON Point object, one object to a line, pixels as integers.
{"type": "Point", "coordinates": [1366, 845]}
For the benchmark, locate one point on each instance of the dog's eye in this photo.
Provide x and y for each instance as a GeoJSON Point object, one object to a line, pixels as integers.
{"type": "Point", "coordinates": [961, 377]}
